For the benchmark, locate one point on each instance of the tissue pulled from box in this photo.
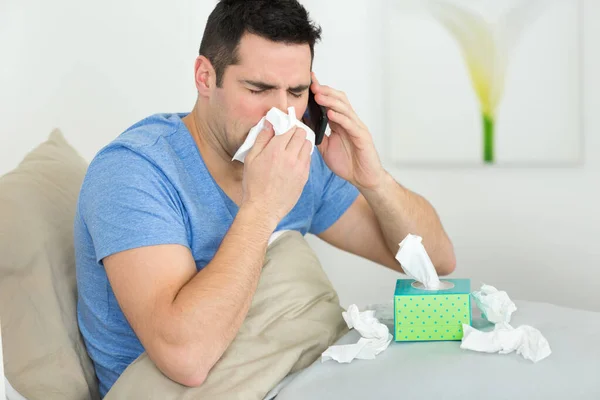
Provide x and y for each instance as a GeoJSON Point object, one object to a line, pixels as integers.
{"type": "Point", "coordinates": [416, 263]}
{"type": "Point", "coordinates": [376, 337]}
{"type": "Point", "coordinates": [495, 305]}
{"type": "Point", "coordinates": [498, 308]}
{"type": "Point", "coordinates": [504, 339]}
{"type": "Point", "coordinates": [282, 123]}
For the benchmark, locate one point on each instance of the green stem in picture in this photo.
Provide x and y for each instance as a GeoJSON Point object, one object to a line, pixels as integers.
{"type": "Point", "coordinates": [488, 139]}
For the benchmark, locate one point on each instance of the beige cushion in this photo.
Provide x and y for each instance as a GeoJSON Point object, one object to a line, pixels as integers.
{"type": "Point", "coordinates": [295, 315]}
{"type": "Point", "coordinates": [44, 354]}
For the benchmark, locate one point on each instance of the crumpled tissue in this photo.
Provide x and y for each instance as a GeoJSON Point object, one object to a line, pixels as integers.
{"type": "Point", "coordinates": [416, 263]}
{"type": "Point", "coordinates": [376, 337]}
{"type": "Point", "coordinates": [505, 339]}
{"type": "Point", "coordinates": [497, 308]}
{"type": "Point", "coordinates": [495, 305]}
{"type": "Point", "coordinates": [282, 123]}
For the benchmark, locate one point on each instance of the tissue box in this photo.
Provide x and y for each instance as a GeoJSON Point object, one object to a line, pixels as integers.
{"type": "Point", "coordinates": [424, 315]}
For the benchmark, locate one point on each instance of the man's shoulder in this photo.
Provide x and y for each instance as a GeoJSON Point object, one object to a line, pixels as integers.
{"type": "Point", "coordinates": [145, 142]}
{"type": "Point", "coordinates": [142, 155]}
{"type": "Point", "coordinates": [147, 132]}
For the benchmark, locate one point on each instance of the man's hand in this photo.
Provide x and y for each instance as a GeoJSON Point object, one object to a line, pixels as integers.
{"type": "Point", "coordinates": [386, 211]}
{"type": "Point", "coordinates": [349, 151]}
{"type": "Point", "coordinates": [275, 172]}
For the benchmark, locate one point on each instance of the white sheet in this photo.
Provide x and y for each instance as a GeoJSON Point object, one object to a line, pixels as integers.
{"type": "Point", "coordinates": [11, 393]}
{"type": "Point", "coordinates": [2, 385]}
{"type": "Point", "coordinates": [571, 372]}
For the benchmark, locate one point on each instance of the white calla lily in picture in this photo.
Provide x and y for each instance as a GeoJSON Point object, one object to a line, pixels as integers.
{"type": "Point", "coordinates": [484, 82]}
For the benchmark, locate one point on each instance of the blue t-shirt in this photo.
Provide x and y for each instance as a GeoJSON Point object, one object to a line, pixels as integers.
{"type": "Point", "coordinates": [150, 186]}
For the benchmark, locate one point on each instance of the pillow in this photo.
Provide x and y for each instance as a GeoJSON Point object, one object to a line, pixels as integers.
{"type": "Point", "coordinates": [44, 354]}
{"type": "Point", "coordinates": [295, 315]}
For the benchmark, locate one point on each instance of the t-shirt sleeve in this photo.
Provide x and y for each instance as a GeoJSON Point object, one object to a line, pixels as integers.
{"type": "Point", "coordinates": [127, 202]}
{"type": "Point", "coordinates": [334, 195]}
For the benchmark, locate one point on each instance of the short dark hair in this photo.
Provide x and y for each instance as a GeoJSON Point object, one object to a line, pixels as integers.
{"type": "Point", "coordinates": [285, 21]}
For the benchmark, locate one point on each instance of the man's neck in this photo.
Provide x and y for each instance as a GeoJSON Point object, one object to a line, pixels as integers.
{"type": "Point", "coordinates": [216, 158]}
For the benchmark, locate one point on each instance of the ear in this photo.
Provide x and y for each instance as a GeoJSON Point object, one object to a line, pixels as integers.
{"type": "Point", "coordinates": [205, 76]}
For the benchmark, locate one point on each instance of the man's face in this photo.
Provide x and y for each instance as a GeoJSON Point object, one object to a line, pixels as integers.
{"type": "Point", "coordinates": [268, 74]}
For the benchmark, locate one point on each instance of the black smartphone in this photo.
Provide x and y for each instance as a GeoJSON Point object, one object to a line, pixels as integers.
{"type": "Point", "coordinates": [316, 118]}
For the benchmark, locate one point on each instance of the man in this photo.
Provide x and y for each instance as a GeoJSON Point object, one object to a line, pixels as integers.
{"type": "Point", "coordinates": [171, 233]}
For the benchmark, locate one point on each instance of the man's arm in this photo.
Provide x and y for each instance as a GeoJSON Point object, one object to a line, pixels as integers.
{"type": "Point", "coordinates": [380, 218]}
{"type": "Point", "coordinates": [385, 212]}
{"type": "Point", "coordinates": [185, 319]}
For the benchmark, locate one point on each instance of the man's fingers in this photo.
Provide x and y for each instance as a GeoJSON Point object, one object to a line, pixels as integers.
{"type": "Point", "coordinates": [295, 144]}
{"type": "Point", "coordinates": [339, 106]}
{"type": "Point", "coordinates": [263, 138]}
{"type": "Point", "coordinates": [335, 100]}
{"type": "Point", "coordinates": [331, 92]}
{"type": "Point", "coordinates": [284, 139]}
{"type": "Point", "coordinates": [345, 122]}
{"type": "Point", "coordinates": [305, 151]}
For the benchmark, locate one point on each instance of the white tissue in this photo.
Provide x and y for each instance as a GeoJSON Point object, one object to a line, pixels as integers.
{"type": "Point", "coordinates": [376, 337]}
{"type": "Point", "coordinates": [416, 262]}
{"type": "Point", "coordinates": [497, 308]}
{"type": "Point", "coordinates": [282, 123]}
{"type": "Point", "coordinates": [505, 339]}
{"type": "Point", "coordinates": [494, 304]}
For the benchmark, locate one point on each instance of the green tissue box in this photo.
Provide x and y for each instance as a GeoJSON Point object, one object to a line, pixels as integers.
{"type": "Point", "coordinates": [428, 315]}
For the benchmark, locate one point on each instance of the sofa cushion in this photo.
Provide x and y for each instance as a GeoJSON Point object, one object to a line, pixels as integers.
{"type": "Point", "coordinates": [44, 354]}
{"type": "Point", "coordinates": [295, 315]}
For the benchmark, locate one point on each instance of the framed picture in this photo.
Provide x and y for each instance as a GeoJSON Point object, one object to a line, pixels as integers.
{"type": "Point", "coordinates": [483, 83]}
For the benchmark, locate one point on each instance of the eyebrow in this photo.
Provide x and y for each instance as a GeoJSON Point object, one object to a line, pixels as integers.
{"type": "Point", "coordinates": [267, 86]}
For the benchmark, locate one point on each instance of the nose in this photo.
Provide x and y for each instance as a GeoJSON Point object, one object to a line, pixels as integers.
{"type": "Point", "coordinates": [282, 101]}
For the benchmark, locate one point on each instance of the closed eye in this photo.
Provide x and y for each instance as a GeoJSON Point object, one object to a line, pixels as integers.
{"type": "Point", "coordinates": [257, 92]}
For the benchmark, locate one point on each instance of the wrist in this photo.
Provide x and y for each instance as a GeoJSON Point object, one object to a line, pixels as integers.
{"type": "Point", "coordinates": [380, 185]}
{"type": "Point", "coordinates": [259, 216]}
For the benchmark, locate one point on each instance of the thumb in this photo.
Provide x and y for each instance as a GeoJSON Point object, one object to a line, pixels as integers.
{"type": "Point", "coordinates": [263, 138]}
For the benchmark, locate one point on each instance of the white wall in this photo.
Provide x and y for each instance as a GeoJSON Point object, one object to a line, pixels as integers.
{"type": "Point", "coordinates": [95, 69]}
